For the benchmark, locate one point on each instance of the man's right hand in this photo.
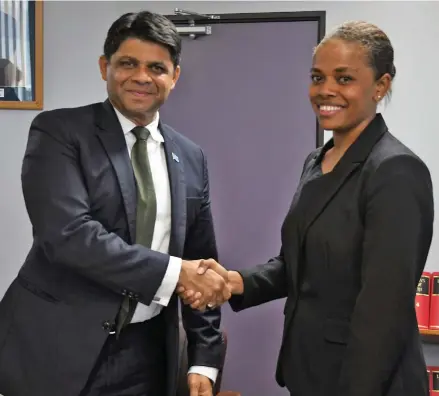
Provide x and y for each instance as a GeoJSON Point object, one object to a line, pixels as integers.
{"type": "Point", "coordinates": [208, 286]}
{"type": "Point", "coordinates": [234, 284]}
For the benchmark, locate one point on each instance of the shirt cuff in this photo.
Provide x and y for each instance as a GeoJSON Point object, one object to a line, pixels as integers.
{"type": "Point", "coordinates": [208, 372]}
{"type": "Point", "coordinates": [169, 282]}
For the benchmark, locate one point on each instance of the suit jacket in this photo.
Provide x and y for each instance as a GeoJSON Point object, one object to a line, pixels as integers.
{"type": "Point", "coordinates": [80, 193]}
{"type": "Point", "coordinates": [354, 245]}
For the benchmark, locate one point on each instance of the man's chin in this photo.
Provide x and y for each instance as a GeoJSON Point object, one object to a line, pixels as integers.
{"type": "Point", "coordinates": [141, 109]}
{"type": "Point", "coordinates": [142, 106]}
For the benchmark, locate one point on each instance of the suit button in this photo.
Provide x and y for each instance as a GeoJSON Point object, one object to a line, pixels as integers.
{"type": "Point", "coordinates": [109, 327]}
{"type": "Point", "coordinates": [131, 295]}
{"type": "Point", "coordinates": [124, 292]}
{"type": "Point", "coordinates": [136, 296]}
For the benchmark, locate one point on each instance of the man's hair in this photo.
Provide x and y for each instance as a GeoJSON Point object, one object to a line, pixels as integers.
{"type": "Point", "coordinates": [146, 26]}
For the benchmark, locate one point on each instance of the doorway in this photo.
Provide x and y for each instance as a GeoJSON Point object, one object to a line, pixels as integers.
{"type": "Point", "coordinates": [243, 97]}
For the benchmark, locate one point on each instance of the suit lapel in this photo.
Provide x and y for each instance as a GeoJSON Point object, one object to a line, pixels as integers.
{"type": "Point", "coordinates": [113, 140]}
{"type": "Point", "coordinates": [177, 184]}
{"type": "Point", "coordinates": [317, 194]}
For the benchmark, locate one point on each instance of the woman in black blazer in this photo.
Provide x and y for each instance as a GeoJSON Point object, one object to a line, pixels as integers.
{"type": "Point", "coordinates": [354, 242]}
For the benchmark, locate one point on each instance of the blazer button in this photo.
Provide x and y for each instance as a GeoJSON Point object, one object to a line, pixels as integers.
{"type": "Point", "coordinates": [109, 327]}
{"type": "Point", "coordinates": [131, 295]}
{"type": "Point", "coordinates": [124, 292]}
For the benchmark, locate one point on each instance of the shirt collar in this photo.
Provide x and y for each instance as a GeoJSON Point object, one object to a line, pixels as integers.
{"type": "Point", "coordinates": [153, 127]}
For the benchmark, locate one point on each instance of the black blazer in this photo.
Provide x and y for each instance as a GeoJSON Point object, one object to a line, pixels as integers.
{"type": "Point", "coordinates": [80, 194]}
{"type": "Point", "coordinates": [354, 245]}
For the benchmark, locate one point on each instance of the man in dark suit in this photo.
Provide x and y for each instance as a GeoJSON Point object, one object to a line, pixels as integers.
{"type": "Point", "coordinates": [119, 205]}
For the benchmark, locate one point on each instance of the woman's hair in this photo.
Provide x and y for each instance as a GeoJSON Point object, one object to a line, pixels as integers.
{"type": "Point", "coordinates": [372, 39]}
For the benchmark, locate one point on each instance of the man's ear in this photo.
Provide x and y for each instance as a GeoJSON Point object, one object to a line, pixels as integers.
{"type": "Point", "coordinates": [103, 65]}
{"type": "Point", "coordinates": [176, 76]}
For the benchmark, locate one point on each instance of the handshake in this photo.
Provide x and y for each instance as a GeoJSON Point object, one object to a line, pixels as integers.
{"type": "Point", "coordinates": [206, 283]}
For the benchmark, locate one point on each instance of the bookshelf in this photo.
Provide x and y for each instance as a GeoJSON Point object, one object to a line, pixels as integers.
{"type": "Point", "coordinates": [430, 336]}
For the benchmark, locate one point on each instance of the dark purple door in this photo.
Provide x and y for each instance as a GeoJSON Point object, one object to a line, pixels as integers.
{"type": "Point", "coordinates": [243, 97]}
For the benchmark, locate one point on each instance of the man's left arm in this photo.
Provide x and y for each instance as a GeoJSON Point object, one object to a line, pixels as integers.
{"type": "Point", "coordinates": [205, 342]}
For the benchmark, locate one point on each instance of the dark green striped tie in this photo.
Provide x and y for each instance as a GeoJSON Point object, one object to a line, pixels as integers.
{"type": "Point", "coordinates": [146, 201]}
{"type": "Point", "coordinates": [146, 211]}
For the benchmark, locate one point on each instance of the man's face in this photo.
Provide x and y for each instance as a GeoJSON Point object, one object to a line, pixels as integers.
{"type": "Point", "coordinates": [140, 75]}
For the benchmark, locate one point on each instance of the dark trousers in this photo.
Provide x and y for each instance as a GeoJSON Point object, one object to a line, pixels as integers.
{"type": "Point", "coordinates": [133, 365]}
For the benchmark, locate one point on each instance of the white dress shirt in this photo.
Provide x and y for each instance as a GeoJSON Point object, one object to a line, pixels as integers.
{"type": "Point", "coordinates": [162, 227]}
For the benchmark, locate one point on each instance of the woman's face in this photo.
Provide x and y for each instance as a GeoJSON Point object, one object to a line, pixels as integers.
{"type": "Point", "coordinates": [343, 89]}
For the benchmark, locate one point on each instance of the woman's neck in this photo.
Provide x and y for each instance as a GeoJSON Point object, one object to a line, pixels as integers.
{"type": "Point", "coordinates": [343, 139]}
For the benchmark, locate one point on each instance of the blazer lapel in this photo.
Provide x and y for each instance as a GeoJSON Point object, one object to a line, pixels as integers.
{"type": "Point", "coordinates": [113, 140]}
{"type": "Point", "coordinates": [317, 194]}
{"type": "Point", "coordinates": [177, 184]}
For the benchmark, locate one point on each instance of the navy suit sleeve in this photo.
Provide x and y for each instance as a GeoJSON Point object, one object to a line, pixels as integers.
{"type": "Point", "coordinates": [58, 205]}
{"type": "Point", "coordinates": [205, 342]}
{"type": "Point", "coordinates": [398, 221]}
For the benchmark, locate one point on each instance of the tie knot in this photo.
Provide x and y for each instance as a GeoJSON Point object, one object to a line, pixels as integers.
{"type": "Point", "coordinates": [141, 133]}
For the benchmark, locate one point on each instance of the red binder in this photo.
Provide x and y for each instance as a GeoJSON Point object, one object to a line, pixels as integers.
{"type": "Point", "coordinates": [434, 302]}
{"type": "Point", "coordinates": [422, 301]}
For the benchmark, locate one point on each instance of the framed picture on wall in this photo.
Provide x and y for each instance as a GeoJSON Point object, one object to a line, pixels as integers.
{"type": "Point", "coordinates": [21, 54]}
